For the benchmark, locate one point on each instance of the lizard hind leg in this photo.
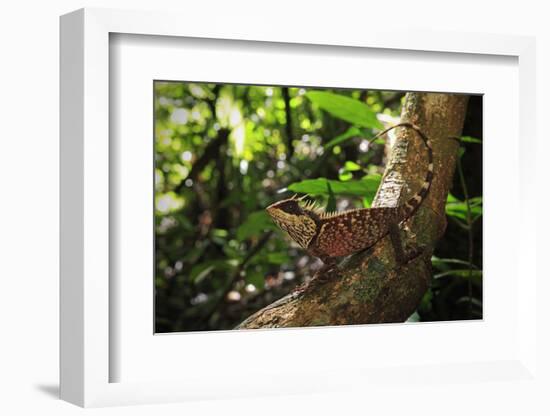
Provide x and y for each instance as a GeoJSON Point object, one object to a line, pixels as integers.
{"type": "Point", "coordinates": [329, 264]}
{"type": "Point", "coordinates": [403, 256]}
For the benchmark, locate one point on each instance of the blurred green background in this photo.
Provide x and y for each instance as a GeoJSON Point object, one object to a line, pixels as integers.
{"type": "Point", "coordinates": [225, 152]}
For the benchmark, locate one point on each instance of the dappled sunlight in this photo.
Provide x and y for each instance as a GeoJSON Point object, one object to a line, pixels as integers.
{"type": "Point", "coordinates": [180, 116]}
{"type": "Point", "coordinates": [168, 202]}
{"type": "Point", "coordinates": [223, 153]}
{"type": "Point", "coordinates": [238, 138]}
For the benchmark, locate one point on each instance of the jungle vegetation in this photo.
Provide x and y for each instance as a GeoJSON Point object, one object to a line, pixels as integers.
{"type": "Point", "coordinates": [225, 152]}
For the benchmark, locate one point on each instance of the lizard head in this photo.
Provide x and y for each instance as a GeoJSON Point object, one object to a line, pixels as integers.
{"type": "Point", "coordinates": [298, 222]}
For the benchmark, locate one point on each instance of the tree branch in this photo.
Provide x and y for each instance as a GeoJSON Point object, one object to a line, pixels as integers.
{"type": "Point", "coordinates": [369, 287]}
{"type": "Point", "coordinates": [288, 123]}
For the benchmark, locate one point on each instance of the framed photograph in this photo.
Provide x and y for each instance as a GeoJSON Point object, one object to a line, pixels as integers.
{"type": "Point", "coordinates": [290, 208]}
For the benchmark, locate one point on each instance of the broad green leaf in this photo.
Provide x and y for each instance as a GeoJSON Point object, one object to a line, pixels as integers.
{"type": "Point", "coordinates": [364, 187]}
{"type": "Point", "coordinates": [348, 134]}
{"type": "Point", "coordinates": [345, 176]}
{"type": "Point", "coordinates": [331, 204]}
{"type": "Point", "coordinates": [345, 108]}
{"type": "Point", "coordinates": [256, 224]}
{"type": "Point", "coordinates": [451, 198]}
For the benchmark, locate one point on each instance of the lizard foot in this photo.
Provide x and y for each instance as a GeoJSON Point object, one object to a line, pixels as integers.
{"type": "Point", "coordinates": [322, 275]}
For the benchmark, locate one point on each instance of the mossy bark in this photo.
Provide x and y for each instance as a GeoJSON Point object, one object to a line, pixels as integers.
{"type": "Point", "coordinates": [370, 287]}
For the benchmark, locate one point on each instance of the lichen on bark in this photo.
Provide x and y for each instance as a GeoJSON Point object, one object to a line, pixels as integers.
{"type": "Point", "coordinates": [369, 287]}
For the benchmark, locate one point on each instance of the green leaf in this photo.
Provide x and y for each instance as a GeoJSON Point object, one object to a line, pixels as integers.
{"type": "Point", "coordinates": [351, 166]}
{"type": "Point", "coordinates": [331, 204]}
{"type": "Point", "coordinates": [367, 186]}
{"type": "Point", "coordinates": [469, 139]}
{"type": "Point", "coordinates": [219, 236]}
{"type": "Point", "coordinates": [345, 173]}
{"type": "Point", "coordinates": [476, 201]}
{"type": "Point", "coordinates": [451, 198]}
{"type": "Point", "coordinates": [277, 258]}
{"type": "Point", "coordinates": [348, 134]}
{"type": "Point", "coordinates": [345, 176]}
{"type": "Point", "coordinates": [459, 209]}
{"type": "Point", "coordinates": [200, 272]}
{"type": "Point", "coordinates": [476, 275]}
{"type": "Point", "coordinates": [441, 263]}
{"type": "Point", "coordinates": [256, 224]}
{"type": "Point", "coordinates": [426, 302]}
{"type": "Point", "coordinates": [474, 301]}
{"type": "Point", "coordinates": [185, 223]}
{"type": "Point", "coordinates": [346, 108]}
{"type": "Point", "coordinates": [256, 278]}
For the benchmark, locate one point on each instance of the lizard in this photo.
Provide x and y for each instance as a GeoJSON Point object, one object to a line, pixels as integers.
{"type": "Point", "coordinates": [332, 235]}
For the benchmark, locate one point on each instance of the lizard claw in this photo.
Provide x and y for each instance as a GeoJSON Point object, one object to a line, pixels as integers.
{"type": "Point", "coordinates": [414, 252]}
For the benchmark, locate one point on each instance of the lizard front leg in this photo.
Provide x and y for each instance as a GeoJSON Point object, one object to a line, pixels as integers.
{"type": "Point", "coordinates": [322, 275]}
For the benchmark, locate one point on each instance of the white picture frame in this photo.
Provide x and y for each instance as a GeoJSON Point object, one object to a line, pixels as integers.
{"type": "Point", "coordinates": [87, 307]}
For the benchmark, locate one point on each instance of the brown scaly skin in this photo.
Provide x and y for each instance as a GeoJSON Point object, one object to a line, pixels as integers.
{"type": "Point", "coordinates": [333, 235]}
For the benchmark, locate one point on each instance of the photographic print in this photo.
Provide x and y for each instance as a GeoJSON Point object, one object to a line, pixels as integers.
{"type": "Point", "coordinates": [300, 206]}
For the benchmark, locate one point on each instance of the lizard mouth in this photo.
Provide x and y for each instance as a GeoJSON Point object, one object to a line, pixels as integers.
{"type": "Point", "coordinates": [271, 211]}
{"type": "Point", "coordinates": [274, 212]}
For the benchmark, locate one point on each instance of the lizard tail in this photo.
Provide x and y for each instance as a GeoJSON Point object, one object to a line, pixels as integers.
{"type": "Point", "coordinates": [410, 207]}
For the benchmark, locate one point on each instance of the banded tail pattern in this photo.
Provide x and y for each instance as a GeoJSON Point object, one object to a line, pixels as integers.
{"type": "Point", "coordinates": [410, 207]}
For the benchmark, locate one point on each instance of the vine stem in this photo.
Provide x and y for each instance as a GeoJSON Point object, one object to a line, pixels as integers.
{"type": "Point", "coordinates": [470, 233]}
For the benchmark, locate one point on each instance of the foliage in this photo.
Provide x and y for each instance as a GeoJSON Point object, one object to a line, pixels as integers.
{"type": "Point", "coordinates": [225, 152]}
{"type": "Point", "coordinates": [351, 110]}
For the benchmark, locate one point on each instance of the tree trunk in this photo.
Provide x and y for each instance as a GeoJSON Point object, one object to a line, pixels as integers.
{"type": "Point", "coordinates": [369, 287]}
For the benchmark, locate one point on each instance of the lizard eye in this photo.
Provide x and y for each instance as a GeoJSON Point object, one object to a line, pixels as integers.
{"type": "Point", "coordinates": [291, 207]}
